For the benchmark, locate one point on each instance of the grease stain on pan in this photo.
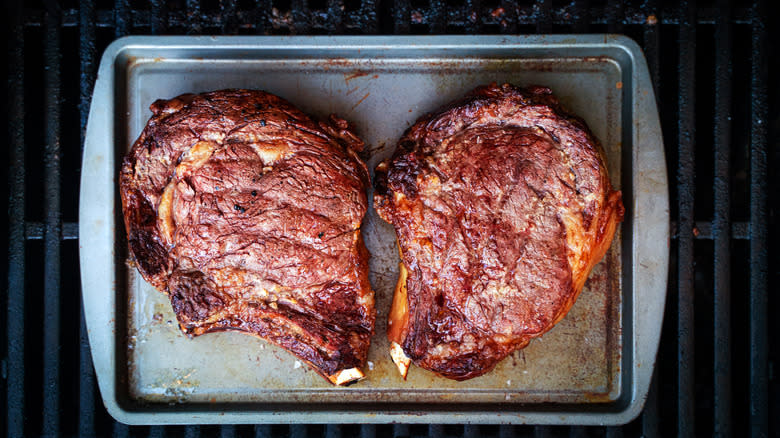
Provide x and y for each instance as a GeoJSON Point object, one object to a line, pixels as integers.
{"type": "Point", "coordinates": [355, 74]}
{"type": "Point", "coordinates": [360, 101]}
{"type": "Point", "coordinates": [175, 386]}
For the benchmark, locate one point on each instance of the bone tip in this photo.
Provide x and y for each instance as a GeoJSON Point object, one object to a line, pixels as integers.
{"type": "Point", "coordinates": [347, 376]}
{"type": "Point", "coordinates": [400, 358]}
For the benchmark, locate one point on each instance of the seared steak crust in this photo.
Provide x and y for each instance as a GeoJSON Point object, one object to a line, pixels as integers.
{"type": "Point", "coordinates": [247, 214]}
{"type": "Point", "coordinates": [502, 205]}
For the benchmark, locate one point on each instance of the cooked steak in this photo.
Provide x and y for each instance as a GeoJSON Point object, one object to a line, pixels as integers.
{"type": "Point", "coordinates": [247, 214]}
{"type": "Point", "coordinates": [502, 205]}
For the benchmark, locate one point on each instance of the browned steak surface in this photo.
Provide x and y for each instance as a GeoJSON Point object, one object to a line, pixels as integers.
{"type": "Point", "coordinates": [502, 204]}
{"type": "Point", "coordinates": [247, 214]}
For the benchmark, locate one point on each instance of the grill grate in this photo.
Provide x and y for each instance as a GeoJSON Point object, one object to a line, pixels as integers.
{"type": "Point", "coordinates": [686, 131]}
{"type": "Point", "coordinates": [710, 68]}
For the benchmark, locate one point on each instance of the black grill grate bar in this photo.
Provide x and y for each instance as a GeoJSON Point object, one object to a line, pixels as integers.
{"type": "Point", "coordinates": [615, 12]}
{"type": "Point", "coordinates": [297, 431]}
{"type": "Point", "coordinates": [471, 13]}
{"type": "Point", "coordinates": [438, 16]}
{"type": "Point", "coordinates": [720, 226]}
{"type": "Point", "coordinates": [368, 431]}
{"type": "Point", "coordinates": [402, 17]}
{"type": "Point", "coordinates": [650, 413]}
{"type": "Point", "coordinates": [193, 18]}
{"type": "Point", "coordinates": [227, 10]}
{"type": "Point", "coordinates": [685, 195]}
{"type": "Point", "coordinates": [262, 18]}
{"type": "Point", "coordinates": [299, 12]}
{"type": "Point", "coordinates": [759, 343]}
{"type": "Point", "coordinates": [335, 16]}
{"type": "Point", "coordinates": [159, 18]}
{"type": "Point", "coordinates": [580, 12]}
{"type": "Point", "coordinates": [246, 18]}
{"type": "Point", "coordinates": [192, 432]}
{"type": "Point", "coordinates": [399, 430]}
{"type": "Point", "coordinates": [331, 431]}
{"type": "Point", "coordinates": [507, 17]}
{"type": "Point", "coordinates": [544, 10]}
{"type": "Point", "coordinates": [471, 431]}
{"type": "Point", "coordinates": [120, 430]}
{"type": "Point", "coordinates": [542, 432]}
{"type": "Point", "coordinates": [264, 431]}
{"type": "Point", "coordinates": [229, 431]}
{"type": "Point", "coordinates": [370, 21]}
{"type": "Point", "coordinates": [119, 19]}
{"type": "Point", "coordinates": [652, 46]}
{"type": "Point", "coordinates": [88, 57]}
{"type": "Point", "coordinates": [86, 382]}
{"type": "Point", "coordinates": [157, 432]}
{"type": "Point", "coordinates": [52, 225]}
{"type": "Point", "coordinates": [16, 243]}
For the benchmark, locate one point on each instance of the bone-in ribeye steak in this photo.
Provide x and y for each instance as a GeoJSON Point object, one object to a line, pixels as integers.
{"type": "Point", "coordinates": [502, 205]}
{"type": "Point", "coordinates": [247, 214]}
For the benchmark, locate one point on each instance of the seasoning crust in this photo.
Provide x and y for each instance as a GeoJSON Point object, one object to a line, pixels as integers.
{"type": "Point", "coordinates": [247, 214]}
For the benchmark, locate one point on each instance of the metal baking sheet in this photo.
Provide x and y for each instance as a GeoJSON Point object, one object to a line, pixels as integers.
{"type": "Point", "coordinates": [594, 367]}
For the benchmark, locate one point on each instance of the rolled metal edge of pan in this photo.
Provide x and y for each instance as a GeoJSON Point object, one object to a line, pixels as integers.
{"type": "Point", "coordinates": [97, 231]}
{"type": "Point", "coordinates": [650, 230]}
{"type": "Point", "coordinates": [649, 249]}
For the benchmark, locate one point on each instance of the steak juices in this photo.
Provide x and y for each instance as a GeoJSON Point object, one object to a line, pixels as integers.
{"type": "Point", "coordinates": [247, 214]}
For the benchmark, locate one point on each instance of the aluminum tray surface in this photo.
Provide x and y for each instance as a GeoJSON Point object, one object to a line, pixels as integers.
{"type": "Point", "coordinates": [594, 367]}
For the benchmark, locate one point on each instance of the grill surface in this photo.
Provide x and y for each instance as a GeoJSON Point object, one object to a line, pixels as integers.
{"type": "Point", "coordinates": [711, 68]}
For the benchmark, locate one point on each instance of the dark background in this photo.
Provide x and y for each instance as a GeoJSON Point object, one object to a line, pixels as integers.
{"type": "Point", "coordinates": [714, 66]}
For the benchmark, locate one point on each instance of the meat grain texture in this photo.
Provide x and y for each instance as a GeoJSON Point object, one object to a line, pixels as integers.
{"type": "Point", "coordinates": [502, 205]}
{"type": "Point", "coordinates": [247, 214]}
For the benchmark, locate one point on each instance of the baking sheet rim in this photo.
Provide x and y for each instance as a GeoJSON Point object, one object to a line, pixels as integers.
{"type": "Point", "coordinates": [650, 196]}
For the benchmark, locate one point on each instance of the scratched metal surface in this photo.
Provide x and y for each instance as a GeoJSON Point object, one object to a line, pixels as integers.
{"type": "Point", "coordinates": [581, 363]}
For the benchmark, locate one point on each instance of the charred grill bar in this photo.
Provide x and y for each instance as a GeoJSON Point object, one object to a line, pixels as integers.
{"type": "Point", "coordinates": [14, 374]}
{"type": "Point", "coordinates": [718, 153]}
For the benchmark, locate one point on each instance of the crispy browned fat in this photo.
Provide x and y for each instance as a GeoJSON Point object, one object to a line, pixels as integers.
{"type": "Point", "coordinates": [502, 205]}
{"type": "Point", "coordinates": [247, 214]}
